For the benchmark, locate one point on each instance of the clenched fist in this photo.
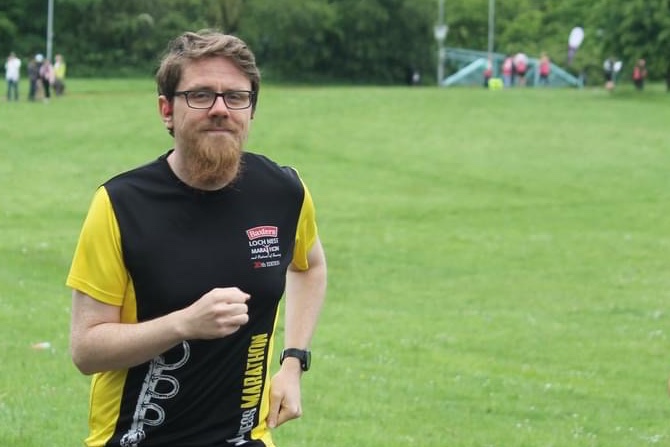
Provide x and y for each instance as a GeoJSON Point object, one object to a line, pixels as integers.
{"type": "Point", "coordinates": [216, 314]}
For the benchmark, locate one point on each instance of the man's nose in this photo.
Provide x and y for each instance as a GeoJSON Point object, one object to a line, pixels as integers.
{"type": "Point", "coordinates": [219, 106]}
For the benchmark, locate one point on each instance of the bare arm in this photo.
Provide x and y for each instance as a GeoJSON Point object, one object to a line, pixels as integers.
{"type": "Point", "coordinates": [305, 294]}
{"type": "Point", "coordinates": [101, 342]}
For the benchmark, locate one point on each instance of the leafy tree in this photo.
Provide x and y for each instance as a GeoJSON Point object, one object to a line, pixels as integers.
{"type": "Point", "coordinates": [636, 29]}
{"type": "Point", "coordinates": [290, 38]}
{"type": "Point", "coordinates": [230, 15]}
{"type": "Point", "coordinates": [379, 39]}
{"type": "Point", "coordinates": [342, 40]}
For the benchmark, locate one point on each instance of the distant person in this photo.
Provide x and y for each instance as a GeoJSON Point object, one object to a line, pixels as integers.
{"type": "Point", "coordinates": [413, 76]}
{"type": "Point", "coordinates": [34, 76]}
{"type": "Point", "coordinates": [520, 68]}
{"type": "Point", "coordinates": [416, 77]}
{"type": "Point", "coordinates": [544, 69]}
{"type": "Point", "coordinates": [47, 77]}
{"type": "Point", "coordinates": [12, 76]}
{"type": "Point", "coordinates": [59, 74]}
{"type": "Point", "coordinates": [488, 72]}
{"type": "Point", "coordinates": [609, 73]}
{"type": "Point", "coordinates": [640, 74]}
{"type": "Point", "coordinates": [181, 265]}
{"type": "Point", "coordinates": [508, 71]}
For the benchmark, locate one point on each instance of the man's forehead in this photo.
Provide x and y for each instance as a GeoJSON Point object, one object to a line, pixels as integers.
{"type": "Point", "coordinates": [214, 71]}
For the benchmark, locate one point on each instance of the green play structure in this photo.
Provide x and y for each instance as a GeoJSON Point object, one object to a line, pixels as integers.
{"type": "Point", "coordinates": [471, 64]}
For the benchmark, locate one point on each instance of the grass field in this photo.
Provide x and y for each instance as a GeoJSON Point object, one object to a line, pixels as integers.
{"type": "Point", "coordinates": [499, 261]}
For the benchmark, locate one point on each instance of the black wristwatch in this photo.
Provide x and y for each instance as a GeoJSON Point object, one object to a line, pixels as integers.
{"type": "Point", "coordinates": [304, 356]}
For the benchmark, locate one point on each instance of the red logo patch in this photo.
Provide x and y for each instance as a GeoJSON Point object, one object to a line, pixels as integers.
{"type": "Point", "coordinates": [262, 231]}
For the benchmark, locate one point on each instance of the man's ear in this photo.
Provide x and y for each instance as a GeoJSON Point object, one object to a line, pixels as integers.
{"type": "Point", "coordinates": [165, 111]}
{"type": "Point", "coordinates": [164, 107]}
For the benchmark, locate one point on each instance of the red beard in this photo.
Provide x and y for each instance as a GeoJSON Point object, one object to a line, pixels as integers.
{"type": "Point", "coordinates": [211, 161]}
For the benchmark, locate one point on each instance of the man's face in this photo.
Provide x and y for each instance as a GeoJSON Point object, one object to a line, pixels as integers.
{"type": "Point", "coordinates": [208, 142]}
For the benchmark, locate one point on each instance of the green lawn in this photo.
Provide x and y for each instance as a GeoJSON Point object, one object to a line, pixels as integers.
{"type": "Point", "coordinates": [499, 261]}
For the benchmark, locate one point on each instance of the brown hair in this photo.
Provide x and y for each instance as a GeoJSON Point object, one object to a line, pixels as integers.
{"type": "Point", "coordinates": [204, 44]}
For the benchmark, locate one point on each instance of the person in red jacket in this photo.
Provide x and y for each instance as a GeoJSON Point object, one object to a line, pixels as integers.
{"type": "Point", "coordinates": [640, 74]}
{"type": "Point", "coordinates": [508, 71]}
{"type": "Point", "coordinates": [520, 68]}
{"type": "Point", "coordinates": [545, 69]}
{"type": "Point", "coordinates": [488, 72]}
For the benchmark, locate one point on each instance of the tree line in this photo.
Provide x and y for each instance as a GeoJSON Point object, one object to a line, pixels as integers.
{"type": "Point", "coordinates": [353, 41]}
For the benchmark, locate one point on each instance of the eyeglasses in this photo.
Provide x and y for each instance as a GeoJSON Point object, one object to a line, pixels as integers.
{"type": "Point", "coordinates": [205, 99]}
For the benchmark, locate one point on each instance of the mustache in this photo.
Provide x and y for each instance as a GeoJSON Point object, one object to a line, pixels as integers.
{"type": "Point", "coordinates": [220, 122]}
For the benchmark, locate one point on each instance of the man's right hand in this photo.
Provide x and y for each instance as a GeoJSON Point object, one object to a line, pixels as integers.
{"type": "Point", "coordinates": [218, 313]}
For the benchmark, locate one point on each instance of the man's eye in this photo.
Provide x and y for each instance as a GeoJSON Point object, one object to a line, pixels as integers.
{"type": "Point", "coordinates": [235, 96]}
{"type": "Point", "coordinates": [201, 96]}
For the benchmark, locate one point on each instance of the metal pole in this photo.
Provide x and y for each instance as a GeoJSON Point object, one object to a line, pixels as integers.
{"type": "Point", "coordinates": [50, 30]}
{"type": "Point", "coordinates": [440, 47]}
{"type": "Point", "coordinates": [492, 9]}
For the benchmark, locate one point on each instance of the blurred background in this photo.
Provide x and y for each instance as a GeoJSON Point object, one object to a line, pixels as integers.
{"type": "Point", "coordinates": [340, 41]}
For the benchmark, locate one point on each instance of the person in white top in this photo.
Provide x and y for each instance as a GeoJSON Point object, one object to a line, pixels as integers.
{"type": "Point", "coordinates": [12, 74]}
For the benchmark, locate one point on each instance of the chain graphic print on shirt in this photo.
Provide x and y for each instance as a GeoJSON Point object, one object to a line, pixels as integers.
{"type": "Point", "coordinates": [155, 375]}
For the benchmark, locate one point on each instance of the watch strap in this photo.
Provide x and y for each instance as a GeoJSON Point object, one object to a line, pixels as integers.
{"type": "Point", "coordinates": [301, 354]}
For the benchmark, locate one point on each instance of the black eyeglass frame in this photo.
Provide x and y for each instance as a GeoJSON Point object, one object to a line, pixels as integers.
{"type": "Point", "coordinates": [186, 93]}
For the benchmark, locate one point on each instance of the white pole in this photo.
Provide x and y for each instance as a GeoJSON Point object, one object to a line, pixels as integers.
{"type": "Point", "coordinates": [492, 9]}
{"type": "Point", "coordinates": [50, 29]}
{"type": "Point", "coordinates": [441, 30]}
{"type": "Point", "coordinates": [440, 13]}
